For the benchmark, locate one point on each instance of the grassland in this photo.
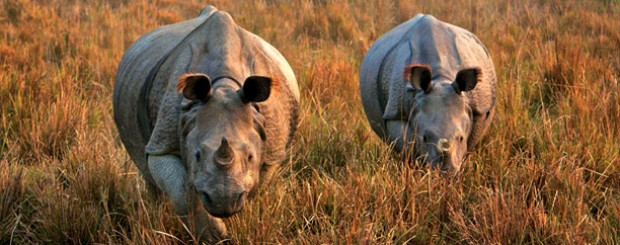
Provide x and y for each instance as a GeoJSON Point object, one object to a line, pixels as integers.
{"type": "Point", "coordinates": [548, 171]}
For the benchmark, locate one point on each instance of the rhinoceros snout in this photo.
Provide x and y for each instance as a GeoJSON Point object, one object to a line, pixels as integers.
{"type": "Point", "coordinates": [443, 146]}
{"type": "Point", "coordinates": [442, 157]}
{"type": "Point", "coordinates": [224, 207]}
{"type": "Point", "coordinates": [448, 163]}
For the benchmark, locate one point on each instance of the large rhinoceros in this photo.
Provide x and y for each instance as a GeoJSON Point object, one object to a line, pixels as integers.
{"type": "Point", "coordinates": [430, 85]}
{"type": "Point", "coordinates": [206, 111]}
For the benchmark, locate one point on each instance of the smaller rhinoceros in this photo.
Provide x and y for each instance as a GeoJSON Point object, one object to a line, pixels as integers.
{"type": "Point", "coordinates": [430, 85]}
{"type": "Point", "coordinates": [206, 111]}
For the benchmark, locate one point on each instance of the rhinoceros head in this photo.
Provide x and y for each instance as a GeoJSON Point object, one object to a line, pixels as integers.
{"type": "Point", "coordinates": [441, 118]}
{"type": "Point", "coordinates": [223, 139]}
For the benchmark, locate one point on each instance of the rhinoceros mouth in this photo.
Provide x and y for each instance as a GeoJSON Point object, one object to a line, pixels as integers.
{"type": "Point", "coordinates": [210, 206]}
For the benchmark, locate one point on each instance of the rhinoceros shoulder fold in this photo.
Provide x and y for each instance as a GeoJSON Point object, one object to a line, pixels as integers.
{"type": "Point", "coordinates": [164, 137]}
{"type": "Point", "coordinates": [474, 53]}
{"type": "Point", "coordinates": [376, 73]}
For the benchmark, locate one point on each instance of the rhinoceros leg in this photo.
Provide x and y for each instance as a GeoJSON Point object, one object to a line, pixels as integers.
{"type": "Point", "coordinates": [400, 134]}
{"type": "Point", "coordinates": [171, 177]}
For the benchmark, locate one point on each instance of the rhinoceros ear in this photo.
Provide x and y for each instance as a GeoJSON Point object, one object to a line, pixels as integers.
{"type": "Point", "coordinates": [195, 86]}
{"type": "Point", "coordinates": [420, 77]}
{"type": "Point", "coordinates": [467, 79]}
{"type": "Point", "coordinates": [256, 89]}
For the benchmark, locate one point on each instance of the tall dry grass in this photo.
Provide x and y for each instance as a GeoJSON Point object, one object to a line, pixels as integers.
{"type": "Point", "coordinates": [548, 172]}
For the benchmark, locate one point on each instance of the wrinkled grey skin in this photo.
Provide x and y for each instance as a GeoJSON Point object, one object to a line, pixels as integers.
{"type": "Point", "coordinates": [444, 122]}
{"type": "Point", "coordinates": [206, 111]}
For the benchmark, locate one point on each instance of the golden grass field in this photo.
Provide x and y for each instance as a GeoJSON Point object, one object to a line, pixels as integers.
{"type": "Point", "coordinates": [547, 172]}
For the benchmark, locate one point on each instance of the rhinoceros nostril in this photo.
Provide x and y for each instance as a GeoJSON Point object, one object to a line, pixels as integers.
{"type": "Point", "coordinates": [206, 200]}
{"type": "Point", "coordinates": [240, 202]}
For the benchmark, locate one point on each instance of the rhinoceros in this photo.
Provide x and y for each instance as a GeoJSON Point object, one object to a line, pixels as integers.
{"type": "Point", "coordinates": [428, 88]}
{"type": "Point", "coordinates": [207, 111]}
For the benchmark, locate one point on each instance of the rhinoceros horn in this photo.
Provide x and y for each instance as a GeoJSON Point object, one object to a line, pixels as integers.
{"type": "Point", "coordinates": [225, 154]}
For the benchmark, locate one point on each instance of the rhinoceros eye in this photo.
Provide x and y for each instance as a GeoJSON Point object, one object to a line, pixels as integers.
{"type": "Point", "coordinates": [461, 139]}
{"type": "Point", "coordinates": [197, 154]}
{"type": "Point", "coordinates": [250, 157]}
